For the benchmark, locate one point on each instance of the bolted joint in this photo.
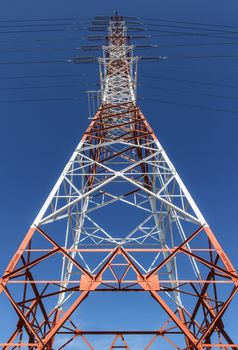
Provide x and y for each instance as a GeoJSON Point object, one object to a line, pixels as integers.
{"type": "Point", "coordinates": [150, 283]}
{"type": "Point", "coordinates": [88, 283]}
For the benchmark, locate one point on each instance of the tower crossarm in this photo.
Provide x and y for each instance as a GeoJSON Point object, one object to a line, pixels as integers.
{"type": "Point", "coordinates": [119, 219]}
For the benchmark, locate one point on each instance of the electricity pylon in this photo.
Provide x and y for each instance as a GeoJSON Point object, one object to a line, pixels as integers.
{"type": "Point", "coordinates": [168, 252]}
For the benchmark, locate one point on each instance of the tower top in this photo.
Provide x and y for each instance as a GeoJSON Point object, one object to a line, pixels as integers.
{"type": "Point", "coordinates": [118, 66]}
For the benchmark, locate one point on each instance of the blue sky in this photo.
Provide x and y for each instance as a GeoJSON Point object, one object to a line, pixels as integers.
{"type": "Point", "coordinates": [37, 138]}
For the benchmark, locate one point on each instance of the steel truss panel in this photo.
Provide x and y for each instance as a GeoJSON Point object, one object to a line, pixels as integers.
{"type": "Point", "coordinates": [165, 249]}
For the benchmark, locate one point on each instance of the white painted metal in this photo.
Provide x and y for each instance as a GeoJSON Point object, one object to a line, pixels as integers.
{"type": "Point", "coordinates": [165, 208]}
{"type": "Point", "coordinates": [118, 84]}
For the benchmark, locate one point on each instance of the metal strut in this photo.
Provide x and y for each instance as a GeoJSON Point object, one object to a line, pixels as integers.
{"type": "Point", "coordinates": [71, 251]}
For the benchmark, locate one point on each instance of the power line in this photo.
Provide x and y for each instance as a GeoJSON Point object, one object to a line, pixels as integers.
{"type": "Point", "coordinates": [42, 40]}
{"type": "Point", "coordinates": [83, 48]}
{"type": "Point", "coordinates": [206, 56]}
{"type": "Point", "coordinates": [76, 19]}
{"type": "Point", "coordinates": [191, 34]}
{"type": "Point", "coordinates": [44, 19]}
{"type": "Point", "coordinates": [197, 44]}
{"type": "Point", "coordinates": [159, 58]}
{"type": "Point", "coordinates": [186, 22]}
{"type": "Point", "coordinates": [181, 34]}
{"type": "Point", "coordinates": [91, 38]}
{"type": "Point", "coordinates": [189, 92]}
{"type": "Point", "coordinates": [46, 86]}
{"type": "Point", "coordinates": [77, 29]}
{"type": "Point", "coordinates": [193, 28]}
{"type": "Point", "coordinates": [191, 81]}
{"type": "Point", "coordinates": [159, 46]}
{"type": "Point", "coordinates": [102, 37]}
{"type": "Point", "coordinates": [42, 25]}
{"type": "Point", "coordinates": [178, 33]}
{"type": "Point", "coordinates": [43, 99]}
{"type": "Point", "coordinates": [190, 105]}
{"type": "Point", "coordinates": [42, 30]}
{"type": "Point", "coordinates": [71, 29]}
{"type": "Point", "coordinates": [212, 34]}
{"type": "Point", "coordinates": [34, 62]}
{"type": "Point", "coordinates": [46, 76]}
{"type": "Point", "coordinates": [41, 49]}
{"type": "Point", "coordinates": [38, 87]}
{"type": "Point", "coordinates": [93, 59]}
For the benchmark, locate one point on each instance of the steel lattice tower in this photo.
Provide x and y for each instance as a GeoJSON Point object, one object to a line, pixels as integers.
{"type": "Point", "coordinates": [171, 253]}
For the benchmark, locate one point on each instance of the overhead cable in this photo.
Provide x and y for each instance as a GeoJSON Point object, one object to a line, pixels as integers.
{"type": "Point", "coordinates": [190, 105]}
{"type": "Point", "coordinates": [190, 81]}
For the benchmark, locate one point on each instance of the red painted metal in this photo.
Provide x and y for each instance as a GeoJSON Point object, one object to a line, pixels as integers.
{"type": "Point", "coordinates": [197, 324]}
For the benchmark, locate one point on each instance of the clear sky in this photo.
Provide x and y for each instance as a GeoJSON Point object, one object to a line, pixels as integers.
{"type": "Point", "coordinates": [191, 103]}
